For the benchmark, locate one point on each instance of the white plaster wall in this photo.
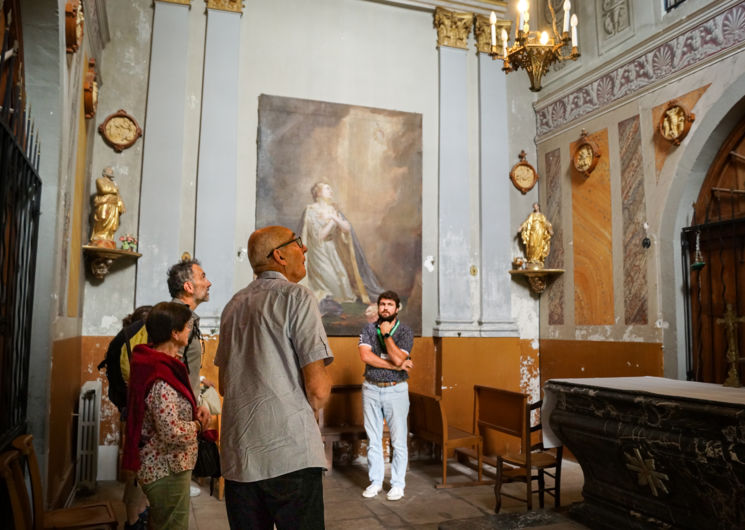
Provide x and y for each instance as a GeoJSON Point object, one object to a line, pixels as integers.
{"type": "Point", "coordinates": [342, 51]}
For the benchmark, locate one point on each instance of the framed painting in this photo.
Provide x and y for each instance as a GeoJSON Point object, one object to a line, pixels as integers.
{"type": "Point", "coordinates": [348, 179]}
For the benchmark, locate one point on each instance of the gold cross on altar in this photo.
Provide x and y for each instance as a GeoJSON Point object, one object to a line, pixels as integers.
{"type": "Point", "coordinates": [731, 320]}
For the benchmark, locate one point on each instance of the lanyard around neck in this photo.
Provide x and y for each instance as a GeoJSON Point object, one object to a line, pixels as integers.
{"type": "Point", "coordinates": [380, 335]}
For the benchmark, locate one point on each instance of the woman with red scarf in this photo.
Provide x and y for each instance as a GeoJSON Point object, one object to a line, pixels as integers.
{"type": "Point", "coordinates": [162, 428]}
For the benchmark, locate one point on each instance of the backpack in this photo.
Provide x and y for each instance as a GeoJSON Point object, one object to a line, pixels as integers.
{"type": "Point", "coordinates": [116, 361]}
{"type": "Point", "coordinates": [117, 358]}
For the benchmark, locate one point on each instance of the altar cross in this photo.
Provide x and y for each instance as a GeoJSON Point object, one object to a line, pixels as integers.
{"type": "Point", "coordinates": [731, 320]}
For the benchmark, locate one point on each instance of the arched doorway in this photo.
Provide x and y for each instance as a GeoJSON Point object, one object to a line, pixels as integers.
{"type": "Point", "coordinates": [714, 265]}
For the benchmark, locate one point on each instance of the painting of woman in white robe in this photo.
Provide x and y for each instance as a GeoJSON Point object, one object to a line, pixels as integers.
{"type": "Point", "coordinates": [348, 180]}
{"type": "Point", "coordinates": [337, 270]}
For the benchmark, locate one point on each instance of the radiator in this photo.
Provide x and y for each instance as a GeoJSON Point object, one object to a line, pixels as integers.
{"type": "Point", "coordinates": [89, 408]}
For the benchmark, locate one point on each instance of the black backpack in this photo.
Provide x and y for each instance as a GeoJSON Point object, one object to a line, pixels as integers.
{"type": "Point", "coordinates": [117, 358]}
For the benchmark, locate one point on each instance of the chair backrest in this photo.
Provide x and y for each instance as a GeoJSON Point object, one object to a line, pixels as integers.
{"type": "Point", "coordinates": [25, 445]}
{"type": "Point", "coordinates": [427, 418]}
{"type": "Point", "coordinates": [11, 471]}
{"type": "Point", "coordinates": [504, 411]}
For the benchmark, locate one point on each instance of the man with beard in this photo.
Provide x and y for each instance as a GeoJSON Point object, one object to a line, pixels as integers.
{"type": "Point", "coordinates": [385, 347]}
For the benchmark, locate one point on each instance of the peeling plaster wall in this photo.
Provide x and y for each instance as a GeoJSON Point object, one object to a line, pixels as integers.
{"type": "Point", "coordinates": [123, 85]}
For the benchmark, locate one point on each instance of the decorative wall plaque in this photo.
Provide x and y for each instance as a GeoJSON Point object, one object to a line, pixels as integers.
{"type": "Point", "coordinates": [675, 122]}
{"type": "Point", "coordinates": [586, 156]}
{"type": "Point", "coordinates": [523, 175]}
{"type": "Point", "coordinates": [120, 130]}
{"type": "Point", "coordinates": [74, 20]}
{"type": "Point", "coordinates": [90, 90]}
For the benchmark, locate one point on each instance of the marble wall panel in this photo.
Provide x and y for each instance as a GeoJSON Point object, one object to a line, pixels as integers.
{"type": "Point", "coordinates": [634, 214]}
{"type": "Point", "coordinates": [592, 235]}
{"type": "Point", "coordinates": [555, 260]}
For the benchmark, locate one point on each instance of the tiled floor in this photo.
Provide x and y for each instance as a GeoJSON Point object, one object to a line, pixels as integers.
{"type": "Point", "coordinates": [423, 507]}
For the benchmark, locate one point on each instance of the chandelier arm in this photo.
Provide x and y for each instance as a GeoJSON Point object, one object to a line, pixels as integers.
{"type": "Point", "coordinates": [557, 37]}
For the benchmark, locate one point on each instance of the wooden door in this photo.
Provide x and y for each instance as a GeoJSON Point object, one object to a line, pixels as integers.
{"type": "Point", "coordinates": [716, 259]}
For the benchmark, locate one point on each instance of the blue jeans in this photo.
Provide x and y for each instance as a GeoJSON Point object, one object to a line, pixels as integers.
{"type": "Point", "coordinates": [391, 403]}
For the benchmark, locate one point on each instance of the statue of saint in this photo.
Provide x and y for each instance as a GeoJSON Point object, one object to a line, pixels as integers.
{"type": "Point", "coordinates": [107, 207]}
{"type": "Point", "coordinates": [536, 234]}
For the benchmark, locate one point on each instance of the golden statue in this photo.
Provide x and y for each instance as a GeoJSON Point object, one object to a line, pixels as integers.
{"type": "Point", "coordinates": [536, 234]}
{"type": "Point", "coordinates": [107, 207]}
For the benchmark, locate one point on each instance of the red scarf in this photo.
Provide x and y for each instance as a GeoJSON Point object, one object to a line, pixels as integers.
{"type": "Point", "coordinates": [147, 367]}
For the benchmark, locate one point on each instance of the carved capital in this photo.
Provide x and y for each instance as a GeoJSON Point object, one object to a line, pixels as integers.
{"type": "Point", "coordinates": [452, 28]}
{"type": "Point", "coordinates": [234, 6]}
{"type": "Point", "coordinates": [181, 2]}
{"type": "Point", "coordinates": [482, 30]}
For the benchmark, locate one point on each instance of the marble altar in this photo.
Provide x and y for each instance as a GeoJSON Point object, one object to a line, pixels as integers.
{"type": "Point", "coordinates": [655, 452]}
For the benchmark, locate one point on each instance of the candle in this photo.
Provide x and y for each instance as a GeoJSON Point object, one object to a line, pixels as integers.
{"type": "Point", "coordinates": [526, 27]}
{"type": "Point", "coordinates": [574, 31]}
{"type": "Point", "coordinates": [544, 38]}
{"type": "Point", "coordinates": [504, 42]}
{"type": "Point", "coordinates": [493, 24]}
{"type": "Point", "coordinates": [567, 7]}
{"type": "Point", "coordinates": [522, 7]}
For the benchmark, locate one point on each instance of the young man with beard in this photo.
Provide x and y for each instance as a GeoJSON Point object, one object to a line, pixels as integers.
{"type": "Point", "coordinates": [385, 347]}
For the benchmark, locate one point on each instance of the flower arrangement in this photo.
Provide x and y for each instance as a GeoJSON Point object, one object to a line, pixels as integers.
{"type": "Point", "coordinates": [129, 242]}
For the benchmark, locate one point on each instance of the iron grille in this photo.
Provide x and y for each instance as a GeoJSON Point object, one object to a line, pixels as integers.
{"type": "Point", "coordinates": [20, 196]}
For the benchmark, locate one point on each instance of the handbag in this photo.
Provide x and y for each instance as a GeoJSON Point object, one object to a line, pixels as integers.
{"type": "Point", "coordinates": [208, 456]}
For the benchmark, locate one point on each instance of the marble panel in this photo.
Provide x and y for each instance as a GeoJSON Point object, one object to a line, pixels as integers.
{"type": "Point", "coordinates": [634, 216]}
{"type": "Point", "coordinates": [555, 260]}
{"type": "Point", "coordinates": [593, 240]}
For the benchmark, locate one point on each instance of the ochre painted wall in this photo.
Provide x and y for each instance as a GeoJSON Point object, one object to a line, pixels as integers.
{"type": "Point", "coordinates": [582, 358]}
{"type": "Point", "coordinates": [63, 397]}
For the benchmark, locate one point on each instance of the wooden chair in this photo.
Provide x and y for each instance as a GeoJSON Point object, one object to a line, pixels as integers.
{"type": "Point", "coordinates": [12, 464]}
{"type": "Point", "coordinates": [428, 421]}
{"type": "Point", "coordinates": [509, 413]}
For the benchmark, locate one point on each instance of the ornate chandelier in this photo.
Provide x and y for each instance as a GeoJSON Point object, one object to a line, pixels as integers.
{"type": "Point", "coordinates": [534, 52]}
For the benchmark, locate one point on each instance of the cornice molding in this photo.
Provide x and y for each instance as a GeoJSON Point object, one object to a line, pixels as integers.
{"type": "Point", "coordinates": [483, 7]}
{"type": "Point", "coordinates": [233, 6]}
{"type": "Point", "coordinates": [660, 60]}
{"type": "Point", "coordinates": [452, 28]}
{"type": "Point", "coordinates": [180, 2]}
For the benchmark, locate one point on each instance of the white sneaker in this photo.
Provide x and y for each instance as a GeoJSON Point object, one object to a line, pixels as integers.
{"type": "Point", "coordinates": [194, 491]}
{"type": "Point", "coordinates": [372, 490]}
{"type": "Point", "coordinates": [395, 493]}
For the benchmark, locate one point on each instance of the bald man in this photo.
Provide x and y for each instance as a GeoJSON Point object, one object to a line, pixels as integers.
{"type": "Point", "coordinates": [272, 357]}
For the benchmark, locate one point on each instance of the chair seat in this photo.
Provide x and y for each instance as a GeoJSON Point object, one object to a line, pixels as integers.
{"type": "Point", "coordinates": [82, 516]}
{"type": "Point", "coordinates": [539, 459]}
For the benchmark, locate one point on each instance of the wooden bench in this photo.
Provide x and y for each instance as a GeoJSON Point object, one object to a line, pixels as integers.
{"type": "Point", "coordinates": [341, 419]}
{"type": "Point", "coordinates": [428, 421]}
{"type": "Point", "coordinates": [510, 413]}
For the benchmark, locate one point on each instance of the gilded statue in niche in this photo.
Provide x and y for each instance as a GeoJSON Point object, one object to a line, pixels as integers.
{"type": "Point", "coordinates": [536, 232]}
{"type": "Point", "coordinates": [107, 207]}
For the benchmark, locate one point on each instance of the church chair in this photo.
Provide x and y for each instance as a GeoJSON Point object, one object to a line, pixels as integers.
{"type": "Point", "coordinates": [428, 421]}
{"type": "Point", "coordinates": [510, 413]}
{"type": "Point", "coordinates": [30, 513]}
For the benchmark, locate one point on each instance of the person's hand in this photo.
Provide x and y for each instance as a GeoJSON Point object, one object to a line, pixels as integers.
{"type": "Point", "coordinates": [385, 327]}
{"type": "Point", "coordinates": [407, 365]}
{"type": "Point", "coordinates": [203, 415]}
